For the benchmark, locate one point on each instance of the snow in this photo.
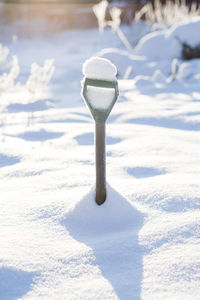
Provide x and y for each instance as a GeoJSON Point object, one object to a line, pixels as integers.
{"type": "Point", "coordinates": [56, 243]}
{"type": "Point", "coordinates": [186, 32]}
{"type": "Point", "coordinates": [88, 222]}
{"type": "Point", "coordinates": [171, 47]}
{"type": "Point", "coordinates": [100, 98]}
{"type": "Point", "coordinates": [169, 41]}
{"type": "Point", "coordinates": [99, 68]}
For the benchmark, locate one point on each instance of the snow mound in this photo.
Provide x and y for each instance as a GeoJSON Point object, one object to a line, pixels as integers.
{"type": "Point", "coordinates": [87, 219]}
{"type": "Point", "coordinates": [167, 44]}
{"type": "Point", "coordinates": [186, 32]}
{"type": "Point", "coordinates": [159, 45]}
{"type": "Point", "coordinates": [99, 68]}
{"type": "Point", "coordinates": [151, 61]}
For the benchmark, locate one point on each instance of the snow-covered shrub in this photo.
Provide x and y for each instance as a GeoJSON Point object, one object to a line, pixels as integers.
{"type": "Point", "coordinates": [9, 69]}
{"type": "Point", "coordinates": [189, 71]}
{"type": "Point", "coordinates": [12, 90]}
{"type": "Point", "coordinates": [158, 56]}
{"type": "Point", "coordinates": [115, 22]}
{"type": "Point", "coordinates": [167, 14]}
{"type": "Point", "coordinates": [174, 69]}
{"type": "Point", "coordinates": [158, 45]}
{"type": "Point", "coordinates": [185, 71]}
{"type": "Point", "coordinates": [4, 51]}
{"type": "Point", "coordinates": [168, 44]}
{"type": "Point", "coordinates": [100, 13]}
{"type": "Point", "coordinates": [7, 79]}
{"type": "Point", "coordinates": [40, 76]}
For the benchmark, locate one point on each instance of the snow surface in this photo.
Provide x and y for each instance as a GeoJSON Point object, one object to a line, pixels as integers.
{"type": "Point", "coordinates": [99, 68]}
{"type": "Point", "coordinates": [56, 243]}
{"type": "Point", "coordinates": [169, 41]}
{"type": "Point", "coordinates": [100, 98]}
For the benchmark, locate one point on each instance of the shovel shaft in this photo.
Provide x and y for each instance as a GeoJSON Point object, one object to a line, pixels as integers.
{"type": "Point", "coordinates": [100, 163]}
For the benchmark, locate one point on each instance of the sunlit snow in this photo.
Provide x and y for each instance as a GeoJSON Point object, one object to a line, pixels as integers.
{"type": "Point", "coordinates": [101, 98]}
{"type": "Point", "coordinates": [55, 242]}
{"type": "Point", "coordinates": [99, 68]}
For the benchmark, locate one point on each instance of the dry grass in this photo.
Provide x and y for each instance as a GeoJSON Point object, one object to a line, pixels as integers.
{"type": "Point", "coordinates": [167, 14]}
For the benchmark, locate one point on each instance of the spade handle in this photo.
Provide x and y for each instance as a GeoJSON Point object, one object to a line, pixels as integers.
{"type": "Point", "coordinates": [100, 163]}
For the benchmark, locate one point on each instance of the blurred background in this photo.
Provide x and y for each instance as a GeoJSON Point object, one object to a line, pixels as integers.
{"type": "Point", "coordinates": [68, 32]}
{"type": "Point", "coordinates": [51, 16]}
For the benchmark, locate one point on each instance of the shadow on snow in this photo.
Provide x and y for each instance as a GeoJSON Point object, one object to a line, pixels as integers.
{"type": "Point", "coordinates": [165, 122]}
{"type": "Point", "coordinates": [29, 107]}
{"type": "Point", "coordinates": [144, 172]}
{"type": "Point", "coordinates": [87, 139]}
{"type": "Point", "coordinates": [6, 160]}
{"type": "Point", "coordinates": [111, 230]}
{"type": "Point", "coordinates": [14, 283]}
{"type": "Point", "coordinates": [41, 135]}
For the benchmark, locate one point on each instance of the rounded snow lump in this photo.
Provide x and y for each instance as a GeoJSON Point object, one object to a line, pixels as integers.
{"type": "Point", "coordinates": [99, 68]}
